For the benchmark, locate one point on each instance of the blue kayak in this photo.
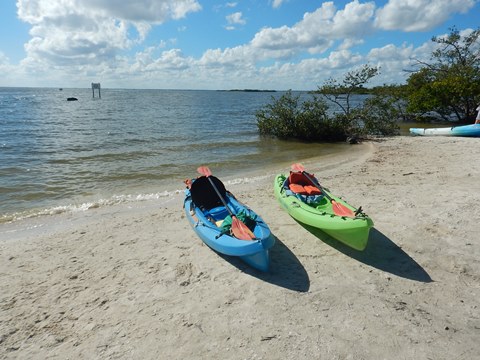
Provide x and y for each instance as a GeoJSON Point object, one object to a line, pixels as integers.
{"type": "Point", "coordinates": [210, 220]}
{"type": "Point", "coordinates": [465, 130]}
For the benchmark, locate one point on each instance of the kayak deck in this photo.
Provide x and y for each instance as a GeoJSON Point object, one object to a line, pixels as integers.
{"type": "Point", "coordinates": [317, 211]}
{"type": "Point", "coordinates": [465, 130]}
{"type": "Point", "coordinates": [207, 217]}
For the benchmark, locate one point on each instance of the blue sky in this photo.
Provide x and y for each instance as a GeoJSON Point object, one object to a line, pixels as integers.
{"type": "Point", "coordinates": [194, 44]}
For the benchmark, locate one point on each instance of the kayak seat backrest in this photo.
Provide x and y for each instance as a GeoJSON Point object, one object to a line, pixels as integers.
{"type": "Point", "coordinates": [299, 178]}
{"type": "Point", "coordinates": [302, 185]}
{"type": "Point", "coordinates": [217, 213]}
{"type": "Point", "coordinates": [312, 190]}
{"type": "Point", "coordinates": [204, 195]}
{"type": "Point", "coordinates": [297, 188]}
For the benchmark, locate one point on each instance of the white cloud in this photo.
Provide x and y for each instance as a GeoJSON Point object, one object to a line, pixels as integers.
{"type": "Point", "coordinates": [236, 18]}
{"type": "Point", "coordinates": [152, 11]}
{"type": "Point", "coordinates": [392, 61]}
{"type": "Point", "coordinates": [349, 43]}
{"type": "Point", "coordinates": [75, 41]}
{"type": "Point", "coordinates": [239, 56]}
{"type": "Point", "coordinates": [318, 30]}
{"type": "Point", "coordinates": [3, 59]}
{"type": "Point", "coordinates": [172, 60]}
{"type": "Point", "coordinates": [73, 32]}
{"type": "Point", "coordinates": [418, 15]}
{"type": "Point", "coordinates": [355, 21]}
{"type": "Point", "coordinates": [389, 52]}
{"type": "Point", "coordinates": [277, 3]}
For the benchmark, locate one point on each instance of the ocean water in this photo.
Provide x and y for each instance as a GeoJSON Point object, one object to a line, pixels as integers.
{"type": "Point", "coordinates": [129, 145]}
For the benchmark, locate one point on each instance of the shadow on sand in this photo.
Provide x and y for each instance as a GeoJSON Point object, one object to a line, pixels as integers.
{"type": "Point", "coordinates": [381, 253]}
{"type": "Point", "coordinates": [285, 269]}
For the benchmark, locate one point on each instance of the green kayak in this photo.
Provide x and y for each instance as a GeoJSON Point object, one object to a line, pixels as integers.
{"type": "Point", "coordinates": [311, 204]}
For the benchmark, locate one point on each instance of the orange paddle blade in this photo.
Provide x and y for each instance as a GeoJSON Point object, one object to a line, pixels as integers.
{"type": "Point", "coordinates": [204, 170]}
{"type": "Point", "coordinates": [298, 167]}
{"type": "Point", "coordinates": [188, 183]}
{"type": "Point", "coordinates": [240, 230]}
{"type": "Point", "coordinates": [341, 210]}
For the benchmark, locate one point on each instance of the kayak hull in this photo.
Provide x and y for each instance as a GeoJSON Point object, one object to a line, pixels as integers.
{"type": "Point", "coordinates": [466, 130]}
{"type": "Point", "coordinates": [353, 232]}
{"type": "Point", "coordinates": [253, 252]}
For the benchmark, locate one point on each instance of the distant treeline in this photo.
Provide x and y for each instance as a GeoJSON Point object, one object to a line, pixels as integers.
{"type": "Point", "coordinates": [360, 90]}
{"type": "Point", "coordinates": [250, 90]}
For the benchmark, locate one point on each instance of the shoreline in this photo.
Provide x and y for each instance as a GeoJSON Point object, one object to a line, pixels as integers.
{"type": "Point", "coordinates": [161, 189]}
{"type": "Point", "coordinates": [170, 195]}
{"type": "Point", "coordinates": [134, 281]}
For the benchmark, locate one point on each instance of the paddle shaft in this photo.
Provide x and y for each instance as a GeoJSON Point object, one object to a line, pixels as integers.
{"type": "Point", "coordinates": [239, 229]}
{"type": "Point", "coordinates": [220, 197]}
{"type": "Point", "coordinates": [338, 208]}
{"type": "Point", "coordinates": [314, 181]}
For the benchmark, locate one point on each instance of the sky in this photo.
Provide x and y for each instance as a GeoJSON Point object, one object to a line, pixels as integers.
{"type": "Point", "coordinates": [219, 45]}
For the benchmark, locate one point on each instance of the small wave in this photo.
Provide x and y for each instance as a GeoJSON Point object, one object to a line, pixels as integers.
{"type": "Point", "coordinates": [246, 180]}
{"type": "Point", "coordinates": [75, 208]}
{"type": "Point", "coordinates": [163, 196]}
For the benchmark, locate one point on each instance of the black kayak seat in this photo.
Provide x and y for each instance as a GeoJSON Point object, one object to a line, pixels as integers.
{"type": "Point", "coordinates": [204, 195]}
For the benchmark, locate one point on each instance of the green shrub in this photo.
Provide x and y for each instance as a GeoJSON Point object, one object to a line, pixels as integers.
{"type": "Point", "coordinates": [379, 115]}
{"type": "Point", "coordinates": [289, 118]}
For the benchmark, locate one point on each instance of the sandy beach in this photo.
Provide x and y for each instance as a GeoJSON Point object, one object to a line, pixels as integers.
{"type": "Point", "coordinates": [135, 282]}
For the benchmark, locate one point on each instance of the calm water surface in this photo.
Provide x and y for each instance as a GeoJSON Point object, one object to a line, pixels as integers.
{"type": "Point", "coordinates": [58, 155]}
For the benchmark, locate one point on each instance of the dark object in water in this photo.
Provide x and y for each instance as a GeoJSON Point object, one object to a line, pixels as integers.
{"type": "Point", "coordinates": [72, 99]}
{"type": "Point", "coordinates": [353, 139]}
